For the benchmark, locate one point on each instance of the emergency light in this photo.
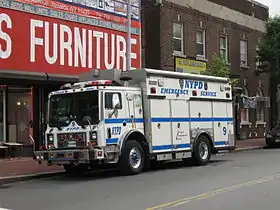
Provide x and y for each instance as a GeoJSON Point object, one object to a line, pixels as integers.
{"type": "Point", "coordinates": [87, 84]}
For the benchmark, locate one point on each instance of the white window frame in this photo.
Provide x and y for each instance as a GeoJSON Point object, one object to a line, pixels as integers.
{"type": "Point", "coordinates": [203, 43]}
{"type": "Point", "coordinates": [247, 120]}
{"type": "Point", "coordinates": [262, 111]}
{"type": "Point", "coordinates": [244, 53]}
{"type": "Point", "coordinates": [179, 38]}
{"type": "Point", "coordinates": [258, 63]}
{"type": "Point", "coordinates": [224, 48]}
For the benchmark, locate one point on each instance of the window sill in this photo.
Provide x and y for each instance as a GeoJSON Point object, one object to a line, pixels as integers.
{"type": "Point", "coordinates": [260, 123]}
{"type": "Point", "coordinates": [246, 123]}
{"type": "Point", "coordinates": [244, 66]}
{"type": "Point", "coordinates": [201, 58]}
{"type": "Point", "coordinates": [179, 54]}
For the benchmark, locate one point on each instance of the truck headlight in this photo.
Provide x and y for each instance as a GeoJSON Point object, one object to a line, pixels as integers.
{"type": "Point", "coordinates": [50, 139]}
{"type": "Point", "coordinates": [93, 136]}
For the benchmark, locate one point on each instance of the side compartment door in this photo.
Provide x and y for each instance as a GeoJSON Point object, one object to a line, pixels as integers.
{"type": "Point", "coordinates": [201, 117]}
{"type": "Point", "coordinates": [220, 117]}
{"type": "Point", "coordinates": [161, 125]}
{"type": "Point", "coordinates": [115, 115]}
{"type": "Point", "coordinates": [135, 110]}
{"type": "Point", "coordinates": [180, 125]}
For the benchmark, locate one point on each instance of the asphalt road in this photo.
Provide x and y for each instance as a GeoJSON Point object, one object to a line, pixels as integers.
{"type": "Point", "coordinates": [244, 180]}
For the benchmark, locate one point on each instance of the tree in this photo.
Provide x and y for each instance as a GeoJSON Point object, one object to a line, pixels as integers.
{"type": "Point", "coordinates": [269, 48]}
{"type": "Point", "coordinates": [218, 67]}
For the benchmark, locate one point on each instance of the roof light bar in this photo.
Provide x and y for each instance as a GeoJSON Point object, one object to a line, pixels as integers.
{"type": "Point", "coordinates": [66, 86]}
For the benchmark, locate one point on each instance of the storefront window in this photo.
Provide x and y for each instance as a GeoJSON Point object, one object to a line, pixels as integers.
{"type": "Point", "coordinates": [19, 114]}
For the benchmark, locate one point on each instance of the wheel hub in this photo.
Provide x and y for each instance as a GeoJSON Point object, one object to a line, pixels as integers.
{"type": "Point", "coordinates": [203, 150]}
{"type": "Point", "coordinates": [135, 157]}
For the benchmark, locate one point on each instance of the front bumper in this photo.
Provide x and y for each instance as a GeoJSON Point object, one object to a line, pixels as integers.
{"type": "Point", "coordinates": [69, 156]}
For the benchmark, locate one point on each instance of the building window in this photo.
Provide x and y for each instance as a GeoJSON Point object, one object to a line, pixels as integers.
{"type": "Point", "coordinates": [258, 63]}
{"type": "Point", "coordinates": [260, 107]}
{"type": "Point", "coordinates": [244, 112]}
{"type": "Point", "coordinates": [19, 114]}
{"type": "Point", "coordinates": [178, 38]}
{"type": "Point", "coordinates": [224, 47]}
{"type": "Point", "coordinates": [200, 44]}
{"type": "Point", "coordinates": [243, 53]}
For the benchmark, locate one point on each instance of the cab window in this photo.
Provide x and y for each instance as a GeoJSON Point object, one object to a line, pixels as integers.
{"type": "Point", "coordinates": [109, 99]}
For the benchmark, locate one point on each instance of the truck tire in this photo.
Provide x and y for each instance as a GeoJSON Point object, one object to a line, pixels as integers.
{"type": "Point", "coordinates": [132, 159]}
{"type": "Point", "coordinates": [201, 151]}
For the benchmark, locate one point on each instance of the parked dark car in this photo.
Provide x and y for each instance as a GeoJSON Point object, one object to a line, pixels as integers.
{"type": "Point", "coordinates": [272, 137]}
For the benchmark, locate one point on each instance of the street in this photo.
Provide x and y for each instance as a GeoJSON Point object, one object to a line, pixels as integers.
{"type": "Point", "coordinates": [242, 180]}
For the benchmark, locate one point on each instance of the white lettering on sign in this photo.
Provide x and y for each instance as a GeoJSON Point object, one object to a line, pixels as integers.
{"type": "Point", "coordinates": [49, 59]}
{"type": "Point", "coordinates": [5, 21]}
{"type": "Point", "coordinates": [78, 47]}
{"type": "Point", "coordinates": [33, 39]}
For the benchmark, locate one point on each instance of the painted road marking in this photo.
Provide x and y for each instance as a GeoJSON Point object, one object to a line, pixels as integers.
{"type": "Point", "coordinates": [215, 192]}
{"type": "Point", "coordinates": [4, 209]}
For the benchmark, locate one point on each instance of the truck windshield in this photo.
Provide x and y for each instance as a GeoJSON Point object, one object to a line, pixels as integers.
{"type": "Point", "coordinates": [65, 108]}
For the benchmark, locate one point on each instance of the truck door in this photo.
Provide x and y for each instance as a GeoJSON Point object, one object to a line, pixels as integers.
{"type": "Point", "coordinates": [135, 110]}
{"type": "Point", "coordinates": [115, 116]}
{"type": "Point", "coordinates": [180, 124]}
{"type": "Point", "coordinates": [220, 116]}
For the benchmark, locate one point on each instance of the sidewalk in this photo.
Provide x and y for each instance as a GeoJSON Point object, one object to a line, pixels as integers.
{"type": "Point", "coordinates": [250, 144]}
{"type": "Point", "coordinates": [26, 168]}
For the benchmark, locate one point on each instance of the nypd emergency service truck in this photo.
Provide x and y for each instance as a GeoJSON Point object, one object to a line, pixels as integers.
{"type": "Point", "coordinates": [136, 117]}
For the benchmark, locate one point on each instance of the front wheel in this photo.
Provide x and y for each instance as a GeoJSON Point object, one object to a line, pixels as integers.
{"type": "Point", "coordinates": [201, 151]}
{"type": "Point", "coordinates": [132, 160]}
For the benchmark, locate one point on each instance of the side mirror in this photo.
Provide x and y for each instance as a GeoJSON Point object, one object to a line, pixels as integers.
{"type": "Point", "coordinates": [87, 120]}
{"type": "Point", "coordinates": [116, 101]}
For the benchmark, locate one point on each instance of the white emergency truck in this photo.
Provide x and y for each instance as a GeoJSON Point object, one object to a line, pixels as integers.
{"type": "Point", "coordinates": [136, 117]}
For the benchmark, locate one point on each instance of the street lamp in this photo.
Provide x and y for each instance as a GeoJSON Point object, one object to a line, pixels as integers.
{"type": "Point", "coordinates": [128, 37]}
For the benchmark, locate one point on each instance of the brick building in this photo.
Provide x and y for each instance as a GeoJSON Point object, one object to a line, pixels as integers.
{"type": "Point", "coordinates": [183, 35]}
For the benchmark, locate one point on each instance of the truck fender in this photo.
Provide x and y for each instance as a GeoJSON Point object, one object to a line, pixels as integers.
{"type": "Point", "coordinates": [205, 133]}
{"type": "Point", "coordinates": [126, 135]}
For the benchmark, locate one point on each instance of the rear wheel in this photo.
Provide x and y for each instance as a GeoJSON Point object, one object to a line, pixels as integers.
{"type": "Point", "coordinates": [201, 151]}
{"type": "Point", "coordinates": [132, 160]}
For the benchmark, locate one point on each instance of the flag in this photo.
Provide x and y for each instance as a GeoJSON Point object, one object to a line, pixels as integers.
{"type": "Point", "coordinates": [249, 102]}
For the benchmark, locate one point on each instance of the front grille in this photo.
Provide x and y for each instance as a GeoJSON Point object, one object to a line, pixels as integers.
{"type": "Point", "coordinates": [68, 140]}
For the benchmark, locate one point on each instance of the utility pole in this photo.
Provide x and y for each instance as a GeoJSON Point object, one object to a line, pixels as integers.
{"type": "Point", "coordinates": [128, 38]}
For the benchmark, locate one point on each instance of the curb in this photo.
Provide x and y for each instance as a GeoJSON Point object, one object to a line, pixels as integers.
{"type": "Point", "coordinates": [248, 148]}
{"type": "Point", "coordinates": [11, 179]}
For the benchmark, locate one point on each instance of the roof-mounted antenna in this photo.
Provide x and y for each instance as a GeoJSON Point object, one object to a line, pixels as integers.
{"type": "Point", "coordinates": [125, 77]}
